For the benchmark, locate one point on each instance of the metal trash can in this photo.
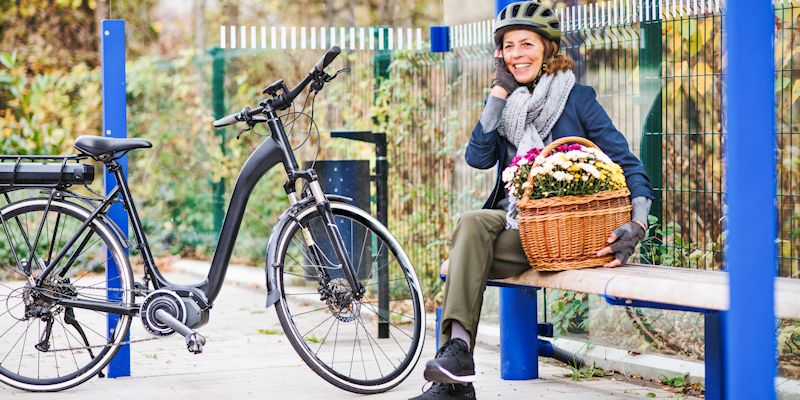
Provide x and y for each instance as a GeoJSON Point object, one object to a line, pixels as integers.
{"type": "Point", "coordinates": [350, 178]}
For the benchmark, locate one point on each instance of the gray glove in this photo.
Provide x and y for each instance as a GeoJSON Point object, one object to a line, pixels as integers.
{"type": "Point", "coordinates": [628, 236]}
{"type": "Point", "coordinates": [503, 77]}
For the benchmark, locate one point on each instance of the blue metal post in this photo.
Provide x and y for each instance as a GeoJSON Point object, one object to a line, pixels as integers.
{"type": "Point", "coordinates": [519, 345]}
{"type": "Point", "coordinates": [438, 325]}
{"type": "Point", "coordinates": [750, 161]}
{"type": "Point", "coordinates": [440, 39]}
{"type": "Point", "coordinates": [115, 125]}
{"type": "Point", "coordinates": [715, 355]}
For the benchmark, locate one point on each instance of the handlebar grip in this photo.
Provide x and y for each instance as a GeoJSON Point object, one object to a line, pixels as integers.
{"type": "Point", "coordinates": [225, 121]}
{"type": "Point", "coordinates": [327, 58]}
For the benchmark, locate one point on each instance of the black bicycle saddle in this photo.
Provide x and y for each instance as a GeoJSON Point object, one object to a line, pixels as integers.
{"type": "Point", "coordinates": [97, 145]}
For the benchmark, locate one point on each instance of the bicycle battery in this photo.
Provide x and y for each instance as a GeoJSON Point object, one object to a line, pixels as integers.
{"type": "Point", "coordinates": [50, 174]}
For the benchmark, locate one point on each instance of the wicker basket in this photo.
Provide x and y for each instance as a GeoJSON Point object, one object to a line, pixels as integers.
{"type": "Point", "coordinates": [563, 233]}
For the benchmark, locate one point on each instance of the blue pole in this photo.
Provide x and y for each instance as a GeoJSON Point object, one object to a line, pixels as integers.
{"type": "Point", "coordinates": [750, 362]}
{"type": "Point", "coordinates": [115, 125]}
{"type": "Point", "coordinates": [519, 345]}
{"type": "Point", "coordinates": [499, 5]}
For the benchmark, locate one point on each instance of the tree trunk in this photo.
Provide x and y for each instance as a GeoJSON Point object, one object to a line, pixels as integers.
{"type": "Point", "coordinates": [100, 13]}
{"type": "Point", "coordinates": [200, 25]}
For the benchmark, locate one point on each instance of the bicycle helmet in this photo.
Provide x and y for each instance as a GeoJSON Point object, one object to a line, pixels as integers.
{"type": "Point", "coordinates": [530, 15]}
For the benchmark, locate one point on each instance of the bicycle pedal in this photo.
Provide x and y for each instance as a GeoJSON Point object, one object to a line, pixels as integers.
{"type": "Point", "coordinates": [195, 342]}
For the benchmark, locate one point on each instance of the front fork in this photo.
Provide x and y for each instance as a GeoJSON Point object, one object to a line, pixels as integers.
{"type": "Point", "coordinates": [324, 209]}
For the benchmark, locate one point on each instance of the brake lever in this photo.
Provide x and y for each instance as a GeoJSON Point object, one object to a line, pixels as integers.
{"type": "Point", "coordinates": [329, 78]}
{"type": "Point", "coordinates": [249, 128]}
{"type": "Point", "coordinates": [248, 119]}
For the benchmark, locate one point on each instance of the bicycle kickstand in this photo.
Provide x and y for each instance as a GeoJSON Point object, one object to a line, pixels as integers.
{"type": "Point", "coordinates": [194, 341]}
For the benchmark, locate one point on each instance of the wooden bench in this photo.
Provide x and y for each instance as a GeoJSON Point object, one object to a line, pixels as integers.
{"type": "Point", "coordinates": [634, 285]}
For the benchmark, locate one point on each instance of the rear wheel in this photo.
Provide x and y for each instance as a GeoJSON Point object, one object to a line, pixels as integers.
{"type": "Point", "coordinates": [366, 345]}
{"type": "Point", "coordinates": [44, 345]}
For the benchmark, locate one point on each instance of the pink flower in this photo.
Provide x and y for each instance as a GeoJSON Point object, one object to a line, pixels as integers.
{"type": "Point", "coordinates": [532, 153]}
{"type": "Point", "coordinates": [516, 160]}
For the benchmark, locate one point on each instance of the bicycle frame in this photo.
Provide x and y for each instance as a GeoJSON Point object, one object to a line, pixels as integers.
{"type": "Point", "coordinates": [271, 152]}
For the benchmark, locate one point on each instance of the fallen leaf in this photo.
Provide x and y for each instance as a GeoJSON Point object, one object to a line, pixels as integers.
{"type": "Point", "coordinates": [666, 388]}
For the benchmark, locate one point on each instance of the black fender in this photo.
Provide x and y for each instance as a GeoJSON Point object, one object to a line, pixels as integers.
{"type": "Point", "coordinates": [273, 293]}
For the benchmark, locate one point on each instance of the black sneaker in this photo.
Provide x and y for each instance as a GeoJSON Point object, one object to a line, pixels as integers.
{"type": "Point", "coordinates": [453, 364]}
{"type": "Point", "coordinates": [444, 391]}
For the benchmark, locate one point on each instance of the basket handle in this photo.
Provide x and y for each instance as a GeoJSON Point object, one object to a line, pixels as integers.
{"type": "Point", "coordinates": [546, 152]}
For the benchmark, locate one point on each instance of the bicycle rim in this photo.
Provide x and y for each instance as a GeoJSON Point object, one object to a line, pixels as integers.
{"type": "Point", "coordinates": [366, 346]}
{"type": "Point", "coordinates": [46, 346]}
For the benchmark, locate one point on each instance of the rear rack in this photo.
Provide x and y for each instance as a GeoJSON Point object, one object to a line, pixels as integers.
{"type": "Point", "coordinates": [38, 174]}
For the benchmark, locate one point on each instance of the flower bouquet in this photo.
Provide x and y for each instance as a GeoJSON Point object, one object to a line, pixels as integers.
{"type": "Point", "coordinates": [571, 196]}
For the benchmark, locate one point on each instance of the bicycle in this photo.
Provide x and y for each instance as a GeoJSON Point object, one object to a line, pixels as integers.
{"type": "Point", "coordinates": [336, 276]}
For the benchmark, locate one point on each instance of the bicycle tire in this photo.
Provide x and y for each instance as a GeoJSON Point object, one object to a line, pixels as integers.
{"type": "Point", "coordinates": [63, 359]}
{"type": "Point", "coordinates": [383, 363]}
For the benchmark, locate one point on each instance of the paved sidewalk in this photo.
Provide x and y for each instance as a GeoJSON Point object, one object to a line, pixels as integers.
{"type": "Point", "coordinates": [239, 362]}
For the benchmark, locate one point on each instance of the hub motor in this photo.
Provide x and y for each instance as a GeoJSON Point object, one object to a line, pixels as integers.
{"type": "Point", "coordinates": [166, 300]}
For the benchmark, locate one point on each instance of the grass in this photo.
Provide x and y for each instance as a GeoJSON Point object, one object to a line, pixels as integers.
{"type": "Point", "coordinates": [313, 339]}
{"type": "Point", "coordinates": [588, 373]}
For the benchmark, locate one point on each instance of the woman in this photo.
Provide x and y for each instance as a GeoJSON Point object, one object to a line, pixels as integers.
{"type": "Point", "coordinates": [533, 100]}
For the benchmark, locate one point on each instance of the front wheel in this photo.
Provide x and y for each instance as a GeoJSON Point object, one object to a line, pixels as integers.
{"type": "Point", "coordinates": [366, 345]}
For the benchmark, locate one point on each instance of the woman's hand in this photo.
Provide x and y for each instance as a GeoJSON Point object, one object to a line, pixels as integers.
{"type": "Point", "coordinates": [502, 76]}
{"type": "Point", "coordinates": [623, 242]}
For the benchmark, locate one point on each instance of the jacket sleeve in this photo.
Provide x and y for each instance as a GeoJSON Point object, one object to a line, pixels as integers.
{"type": "Point", "coordinates": [599, 129]}
{"type": "Point", "coordinates": [482, 149]}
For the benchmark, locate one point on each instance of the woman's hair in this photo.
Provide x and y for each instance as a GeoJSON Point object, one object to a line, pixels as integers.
{"type": "Point", "coordinates": [559, 62]}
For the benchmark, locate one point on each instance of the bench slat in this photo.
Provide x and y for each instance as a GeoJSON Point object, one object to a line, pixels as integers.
{"type": "Point", "coordinates": [668, 285]}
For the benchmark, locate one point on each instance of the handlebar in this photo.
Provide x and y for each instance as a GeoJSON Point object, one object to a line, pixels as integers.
{"type": "Point", "coordinates": [284, 100]}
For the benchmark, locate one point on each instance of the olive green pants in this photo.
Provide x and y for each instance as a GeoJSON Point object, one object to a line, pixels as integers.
{"type": "Point", "coordinates": [482, 249]}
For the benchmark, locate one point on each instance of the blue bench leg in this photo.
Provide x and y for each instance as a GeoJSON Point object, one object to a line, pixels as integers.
{"type": "Point", "coordinates": [438, 325]}
{"type": "Point", "coordinates": [519, 344]}
{"type": "Point", "coordinates": [715, 356]}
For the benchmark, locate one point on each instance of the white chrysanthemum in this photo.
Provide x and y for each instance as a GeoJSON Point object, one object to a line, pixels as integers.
{"type": "Point", "coordinates": [508, 173]}
{"type": "Point", "coordinates": [539, 160]}
{"type": "Point", "coordinates": [526, 184]}
{"type": "Point", "coordinates": [577, 155]}
{"type": "Point", "coordinates": [584, 178]}
{"type": "Point", "coordinates": [522, 161]}
{"type": "Point", "coordinates": [560, 175]}
{"type": "Point", "coordinates": [590, 169]}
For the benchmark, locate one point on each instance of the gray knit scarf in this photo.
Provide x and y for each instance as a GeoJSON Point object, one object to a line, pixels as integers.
{"type": "Point", "coordinates": [529, 117]}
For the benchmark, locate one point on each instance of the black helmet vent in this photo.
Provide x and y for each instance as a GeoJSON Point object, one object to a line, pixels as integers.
{"type": "Point", "coordinates": [503, 15]}
{"type": "Point", "coordinates": [530, 10]}
{"type": "Point", "coordinates": [514, 11]}
{"type": "Point", "coordinates": [547, 12]}
{"type": "Point", "coordinates": [555, 25]}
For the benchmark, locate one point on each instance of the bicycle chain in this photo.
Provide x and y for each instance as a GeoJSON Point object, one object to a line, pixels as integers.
{"type": "Point", "coordinates": [135, 291]}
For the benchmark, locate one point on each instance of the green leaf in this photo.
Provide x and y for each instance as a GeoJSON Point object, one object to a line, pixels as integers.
{"type": "Point", "coordinates": [650, 395]}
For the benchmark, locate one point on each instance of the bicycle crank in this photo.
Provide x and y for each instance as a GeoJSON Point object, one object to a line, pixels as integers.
{"type": "Point", "coordinates": [194, 341]}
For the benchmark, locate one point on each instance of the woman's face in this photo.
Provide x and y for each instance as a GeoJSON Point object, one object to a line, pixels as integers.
{"type": "Point", "coordinates": [523, 52]}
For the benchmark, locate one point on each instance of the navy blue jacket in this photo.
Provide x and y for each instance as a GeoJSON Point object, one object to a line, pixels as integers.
{"type": "Point", "coordinates": [583, 116]}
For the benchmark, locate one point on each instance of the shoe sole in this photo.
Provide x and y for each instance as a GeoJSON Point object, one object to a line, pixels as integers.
{"type": "Point", "coordinates": [441, 375]}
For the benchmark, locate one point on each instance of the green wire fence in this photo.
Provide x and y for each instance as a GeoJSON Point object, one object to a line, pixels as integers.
{"type": "Point", "coordinates": [657, 68]}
